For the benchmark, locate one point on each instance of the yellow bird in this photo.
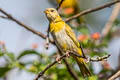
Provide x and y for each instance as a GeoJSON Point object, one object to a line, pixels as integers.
{"type": "Point", "coordinates": [65, 38]}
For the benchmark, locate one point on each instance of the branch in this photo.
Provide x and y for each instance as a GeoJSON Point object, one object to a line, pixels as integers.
{"type": "Point", "coordinates": [116, 75]}
{"type": "Point", "coordinates": [99, 58]}
{"type": "Point", "coordinates": [4, 17]}
{"type": "Point", "coordinates": [8, 16]}
{"type": "Point", "coordinates": [49, 66]}
{"type": "Point", "coordinates": [65, 56]}
{"type": "Point", "coordinates": [92, 10]}
{"type": "Point", "coordinates": [60, 4]}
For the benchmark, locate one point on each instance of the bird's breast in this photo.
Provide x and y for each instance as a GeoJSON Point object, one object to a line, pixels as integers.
{"type": "Point", "coordinates": [63, 41]}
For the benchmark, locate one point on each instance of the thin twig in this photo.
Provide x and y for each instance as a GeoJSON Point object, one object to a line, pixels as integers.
{"type": "Point", "coordinates": [47, 38]}
{"type": "Point", "coordinates": [116, 75]}
{"type": "Point", "coordinates": [92, 10]}
{"type": "Point", "coordinates": [60, 4]}
{"type": "Point", "coordinates": [99, 58]}
{"type": "Point", "coordinates": [64, 56]}
{"type": "Point", "coordinates": [4, 17]}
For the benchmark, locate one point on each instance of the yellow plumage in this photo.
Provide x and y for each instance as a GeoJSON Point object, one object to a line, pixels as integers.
{"type": "Point", "coordinates": [65, 38]}
{"type": "Point", "coordinates": [68, 3]}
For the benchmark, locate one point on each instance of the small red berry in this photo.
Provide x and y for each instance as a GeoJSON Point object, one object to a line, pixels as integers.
{"type": "Point", "coordinates": [96, 35]}
{"type": "Point", "coordinates": [82, 37]}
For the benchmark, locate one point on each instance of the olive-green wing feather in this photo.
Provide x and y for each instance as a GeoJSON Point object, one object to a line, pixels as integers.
{"type": "Point", "coordinates": [71, 34]}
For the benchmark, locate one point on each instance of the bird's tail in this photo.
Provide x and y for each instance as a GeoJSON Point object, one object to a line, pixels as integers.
{"type": "Point", "coordinates": [82, 65]}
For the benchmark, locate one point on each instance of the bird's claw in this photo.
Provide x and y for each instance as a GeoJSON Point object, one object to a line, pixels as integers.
{"type": "Point", "coordinates": [67, 54]}
{"type": "Point", "coordinates": [58, 60]}
{"type": "Point", "coordinates": [87, 59]}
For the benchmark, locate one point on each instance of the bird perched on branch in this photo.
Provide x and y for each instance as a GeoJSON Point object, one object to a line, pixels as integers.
{"type": "Point", "coordinates": [65, 38]}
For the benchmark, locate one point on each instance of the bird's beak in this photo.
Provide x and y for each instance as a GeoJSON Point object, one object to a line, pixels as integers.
{"type": "Point", "coordinates": [46, 12]}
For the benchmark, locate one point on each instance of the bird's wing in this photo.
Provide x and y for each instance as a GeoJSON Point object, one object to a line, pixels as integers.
{"type": "Point", "coordinates": [71, 34]}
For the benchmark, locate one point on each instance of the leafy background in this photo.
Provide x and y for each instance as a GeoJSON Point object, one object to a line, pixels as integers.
{"type": "Point", "coordinates": [23, 55]}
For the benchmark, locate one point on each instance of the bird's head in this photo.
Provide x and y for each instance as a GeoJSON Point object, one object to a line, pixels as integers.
{"type": "Point", "coordinates": [51, 14]}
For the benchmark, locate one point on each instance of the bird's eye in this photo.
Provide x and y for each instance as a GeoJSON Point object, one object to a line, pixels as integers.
{"type": "Point", "coordinates": [52, 10]}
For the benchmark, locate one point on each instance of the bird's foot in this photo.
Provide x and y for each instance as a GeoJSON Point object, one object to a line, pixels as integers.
{"type": "Point", "coordinates": [58, 59]}
{"type": "Point", "coordinates": [68, 54]}
{"type": "Point", "coordinates": [87, 59]}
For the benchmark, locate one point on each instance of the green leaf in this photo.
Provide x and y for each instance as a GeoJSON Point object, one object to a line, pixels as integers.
{"type": "Point", "coordinates": [28, 52]}
{"type": "Point", "coordinates": [3, 71]}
